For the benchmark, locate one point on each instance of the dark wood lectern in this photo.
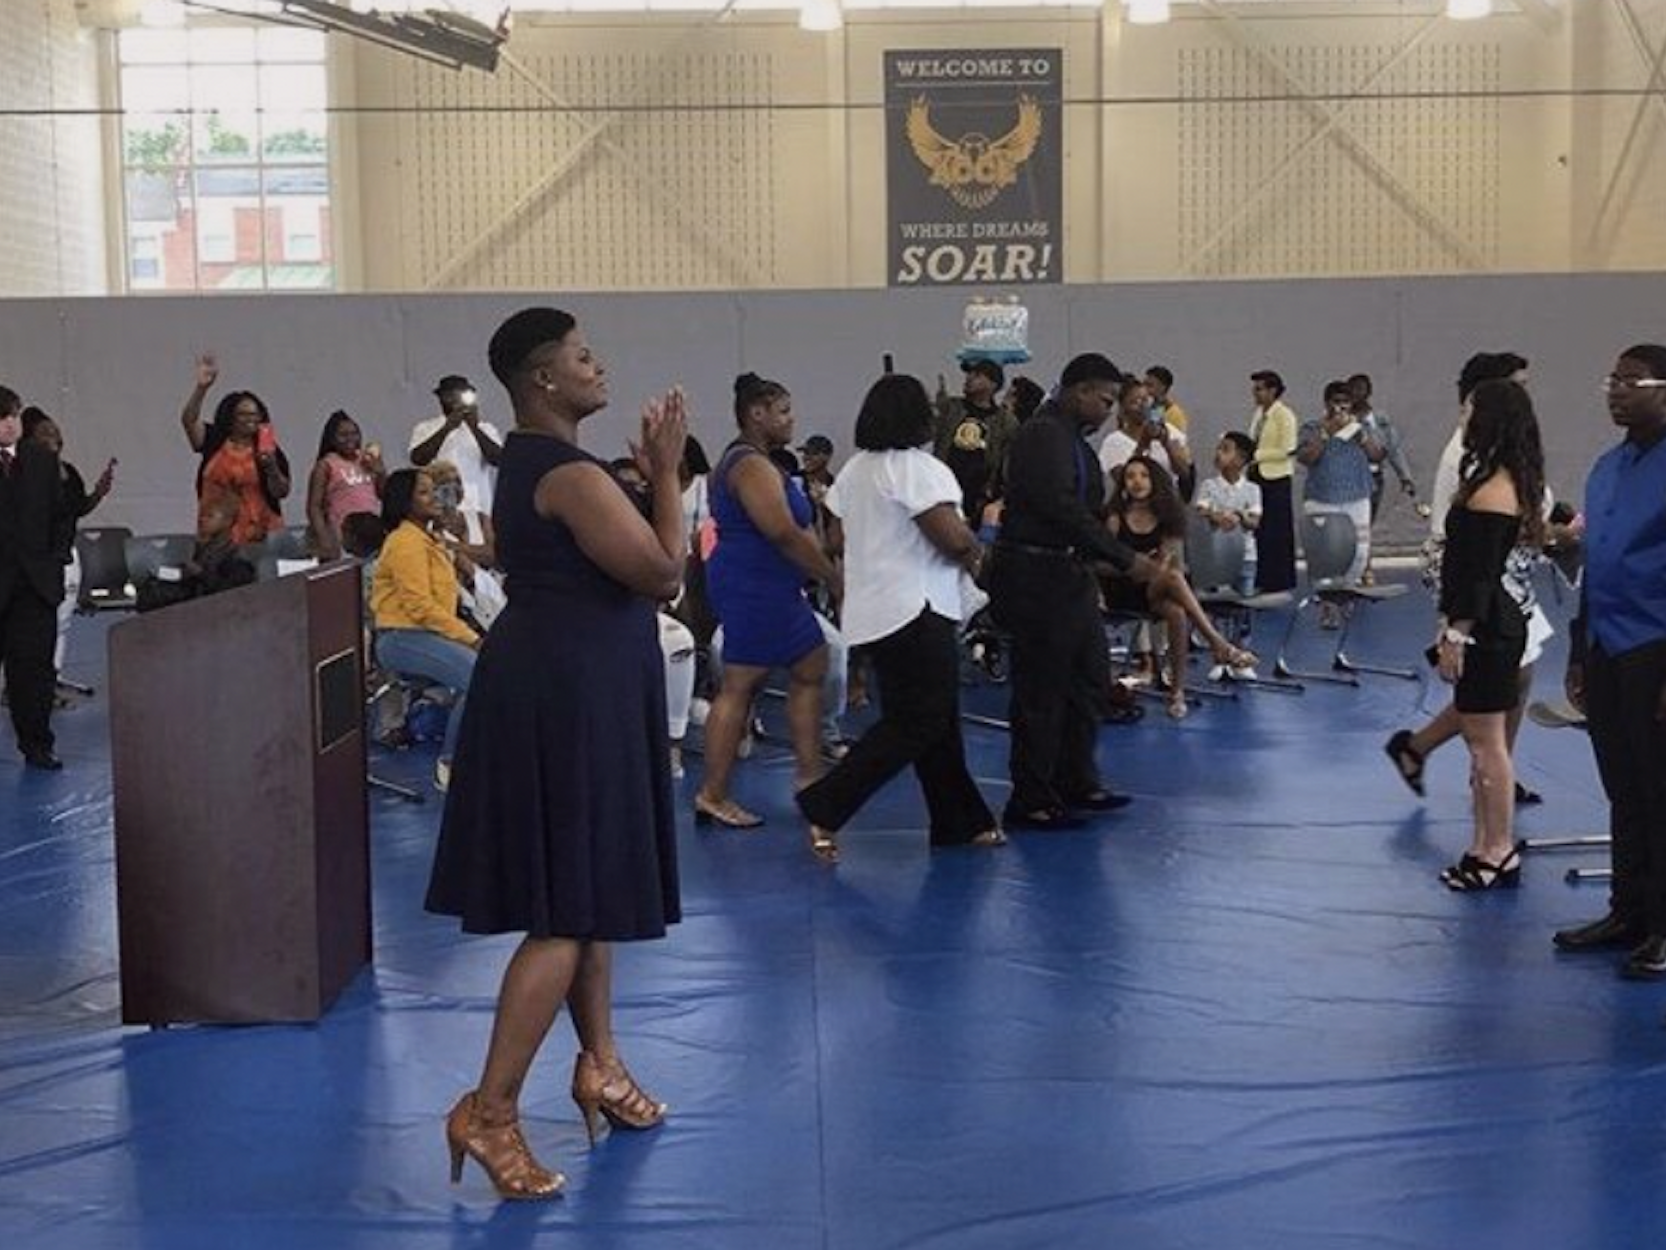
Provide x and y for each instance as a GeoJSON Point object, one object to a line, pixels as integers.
{"type": "Point", "coordinates": [242, 847]}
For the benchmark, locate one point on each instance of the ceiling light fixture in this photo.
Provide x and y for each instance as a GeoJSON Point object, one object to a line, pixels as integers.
{"type": "Point", "coordinates": [821, 16]}
{"type": "Point", "coordinates": [1148, 12]}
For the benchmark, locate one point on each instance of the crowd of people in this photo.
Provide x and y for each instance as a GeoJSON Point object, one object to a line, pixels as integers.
{"type": "Point", "coordinates": [692, 580]}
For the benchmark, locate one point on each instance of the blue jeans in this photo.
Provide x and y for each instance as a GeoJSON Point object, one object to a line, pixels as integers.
{"type": "Point", "coordinates": [423, 653]}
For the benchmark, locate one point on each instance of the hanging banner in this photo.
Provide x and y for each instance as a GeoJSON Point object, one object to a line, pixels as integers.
{"type": "Point", "coordinates": [975, 166]}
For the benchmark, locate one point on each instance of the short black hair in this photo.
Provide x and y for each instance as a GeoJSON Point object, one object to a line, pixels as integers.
{"type": "Point", "coordinates": [1026, 398]}
{"type": "Point", "coordinates": [521, 335]}
{"type": "Point", "coordinates": [1337, 389]}
{"type": "Point", "coordinates": [1269, 378]}
{"type": "Point", "coordinates": [1243, 442]}
{"type": "Point", "coordinates": [751, 390]}
{"type": "Point", "coordinates": [397, 493]}
{"type": "Point", "coordinates": [33, 419]}
{"type": "Point", "coordinates": [1652, 356]}
{"type": "Point", "coordinates": [1162, 373]}
{"type": "Point", "coordinates": [10, 401]}
{"type": "Point", "coordinates": [1089, 367]}
{"type": "Point", "coordinates": [895, 415]}
{"type": "Point", "coordinates": [1487, 367]}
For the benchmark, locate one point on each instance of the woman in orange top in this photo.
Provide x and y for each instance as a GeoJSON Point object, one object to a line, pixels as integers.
{"type": "Point", "coordinates": [240, 456]}
{"type": "Point", "coordinates": [413, 599]}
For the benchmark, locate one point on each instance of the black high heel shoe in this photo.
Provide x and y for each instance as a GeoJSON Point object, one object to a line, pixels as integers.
{"type": "Point", "coordinates": [1408, 760]}
{"type": "Point", "coordinates": [1472, 873]}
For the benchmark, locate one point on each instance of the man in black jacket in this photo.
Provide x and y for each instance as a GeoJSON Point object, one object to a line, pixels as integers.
{"type": "Point", "coordinates": [31, 581]}
{"type": "Point", "coordinates": [1044, 592]}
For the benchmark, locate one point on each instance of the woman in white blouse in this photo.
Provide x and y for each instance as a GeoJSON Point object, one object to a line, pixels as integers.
{"type": "Point", "coordinates": [906, 550]}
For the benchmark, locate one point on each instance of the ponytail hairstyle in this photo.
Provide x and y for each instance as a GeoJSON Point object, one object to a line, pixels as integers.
{"type": "Point", "coordinates": [751, 390]}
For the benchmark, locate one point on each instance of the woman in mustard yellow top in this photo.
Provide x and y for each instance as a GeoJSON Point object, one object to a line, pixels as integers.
{"type": "Point", "coordinates": [1274, 431]}
{"type": "Point", "coordinates": [413, 599]}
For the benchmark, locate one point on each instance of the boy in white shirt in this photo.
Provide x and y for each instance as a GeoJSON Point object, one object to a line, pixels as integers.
{"type": "Point", "coordinates": [1231, 501]}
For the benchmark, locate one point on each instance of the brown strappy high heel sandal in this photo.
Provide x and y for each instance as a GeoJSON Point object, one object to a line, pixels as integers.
{"type": "Point", "coordinates": [502, 1154]}
{"type": "Point", "coordinates": [602, 1087]}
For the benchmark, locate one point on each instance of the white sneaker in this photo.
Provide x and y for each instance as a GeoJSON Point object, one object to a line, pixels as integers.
{"type": "Point", "coordinates": [1246, 673]}
{"type": "Point", "coordinates": [677, 764]}
{"type": "Point", "coordinates": [1219, 673]}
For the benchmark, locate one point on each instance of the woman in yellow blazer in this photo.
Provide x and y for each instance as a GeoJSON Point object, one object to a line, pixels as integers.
{"type": "Point", "coordinates": [413, 599]}
{"type": "Point", "coordinates": [1274, 431]}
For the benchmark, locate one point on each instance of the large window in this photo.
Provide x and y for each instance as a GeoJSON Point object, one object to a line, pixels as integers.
{"type": "Point", "coordinates": [225, 156]}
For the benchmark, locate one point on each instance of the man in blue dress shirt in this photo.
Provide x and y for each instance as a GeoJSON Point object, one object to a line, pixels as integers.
{"type": "Point", "coordinates": [1617, 664]}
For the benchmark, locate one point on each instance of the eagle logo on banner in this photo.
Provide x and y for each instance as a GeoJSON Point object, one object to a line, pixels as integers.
{"type": "Point", "coordinates": [974, 169]}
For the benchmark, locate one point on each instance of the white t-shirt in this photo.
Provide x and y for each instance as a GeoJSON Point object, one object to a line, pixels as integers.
{"type": "Point", "coordinates": [1118, 449]}
{"type": "Point", "coordinates": [1446, 483]}
{"type": "Point", "coordinates": [1216, 494]}
{"type": "Point", "coordinates": [460, 449]}
{"type": "Point", "coordinates": [892, 571]}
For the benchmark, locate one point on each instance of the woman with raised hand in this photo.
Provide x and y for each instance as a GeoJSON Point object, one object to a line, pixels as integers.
{"type": "Point", "coordinates": [559, 823]}
{"type": "Point", "coordinates": [239, 454]}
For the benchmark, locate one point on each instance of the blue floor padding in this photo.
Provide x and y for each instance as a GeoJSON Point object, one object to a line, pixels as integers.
{"type": "Point", "coordinates": [1241, 1013]}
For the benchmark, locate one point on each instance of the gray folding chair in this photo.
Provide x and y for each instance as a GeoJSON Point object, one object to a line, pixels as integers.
{"type": "Point", "coordinates": [1214, 561]}
{"type": "Point", "coordinates": [1329, 544]}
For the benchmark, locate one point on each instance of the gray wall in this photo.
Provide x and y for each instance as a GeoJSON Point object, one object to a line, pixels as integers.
{"type": "Point", "coordinates": [117, 370]}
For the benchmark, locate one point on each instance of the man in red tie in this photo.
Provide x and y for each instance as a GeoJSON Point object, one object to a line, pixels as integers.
{"type": "Point", "coordinates": [31, 581]}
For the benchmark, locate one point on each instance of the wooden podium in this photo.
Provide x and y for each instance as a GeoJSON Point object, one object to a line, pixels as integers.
{"type": "Point", "coordinates": [242, 847]}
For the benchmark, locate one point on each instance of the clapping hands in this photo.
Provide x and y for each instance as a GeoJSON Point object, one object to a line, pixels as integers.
{"type": "Point", "coordinates": [658, 450]}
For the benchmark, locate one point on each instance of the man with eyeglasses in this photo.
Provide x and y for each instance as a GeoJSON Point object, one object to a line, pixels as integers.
{"type": "Point", "coordinates": [1617, 661]}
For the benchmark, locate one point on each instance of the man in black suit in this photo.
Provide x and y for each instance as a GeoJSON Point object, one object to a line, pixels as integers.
{"type": "Point", "coordinates": [31, 581]}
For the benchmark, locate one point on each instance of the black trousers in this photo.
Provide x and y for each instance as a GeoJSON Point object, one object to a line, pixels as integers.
{"type": "Point", "coordinates": [1061, 675]}
{"type": "Point", "coordinates": [918, 670]}
{"type": "Point", "coordinates": [1275, 538]}
{"type": "Point", "coordinates": [28, 632]}
{"type": "Point", "coordinates": [1622, 694]}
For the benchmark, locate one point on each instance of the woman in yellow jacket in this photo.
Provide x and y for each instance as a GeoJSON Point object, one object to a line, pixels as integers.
{"type": "Point", "coordinates": [1274, 432]}
{"type": "Point", "coordinates": [413, 599]}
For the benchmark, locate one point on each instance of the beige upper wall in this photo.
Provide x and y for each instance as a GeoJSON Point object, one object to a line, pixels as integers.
{"type": "Point", "coordinates": [1190, 171]}
{"type": "Point", "coordinates": [1482, 160]}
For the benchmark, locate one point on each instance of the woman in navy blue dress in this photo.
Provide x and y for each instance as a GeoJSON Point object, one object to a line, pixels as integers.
{"type": "Point", "coordinates": [559, 822]}
{"type": "Point", "coordinates": [766, 551]}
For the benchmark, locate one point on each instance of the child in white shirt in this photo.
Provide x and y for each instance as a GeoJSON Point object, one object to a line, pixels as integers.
{"type": "Point", "coordinates": [1231, 501]}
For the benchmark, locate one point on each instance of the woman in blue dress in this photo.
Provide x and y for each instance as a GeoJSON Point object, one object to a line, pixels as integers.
{"type": "Point", "coordinates": [559, 822]}
{"type": "Point", "coordinates": [766, 551]}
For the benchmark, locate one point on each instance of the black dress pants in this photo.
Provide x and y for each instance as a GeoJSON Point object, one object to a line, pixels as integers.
{"type": "Point", "coordinates": [1061, 674]}
{"type": "Point", "coordinates": [28, 632]}
{"type": "Point", "coordinates": [1275, 538]}
{"type": "Point", "coordinates": [918, 671]}
{"type": "Point", "coordinates": [1622, 694]}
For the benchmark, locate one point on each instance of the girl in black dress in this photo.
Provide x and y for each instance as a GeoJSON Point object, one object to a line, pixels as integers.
{"type": "Point", "coordinates": [559, 822]}
{"type": "Point", "coordinates": [1483, 629]}
{"type": "Point", "coordinates": [1146, 513]}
